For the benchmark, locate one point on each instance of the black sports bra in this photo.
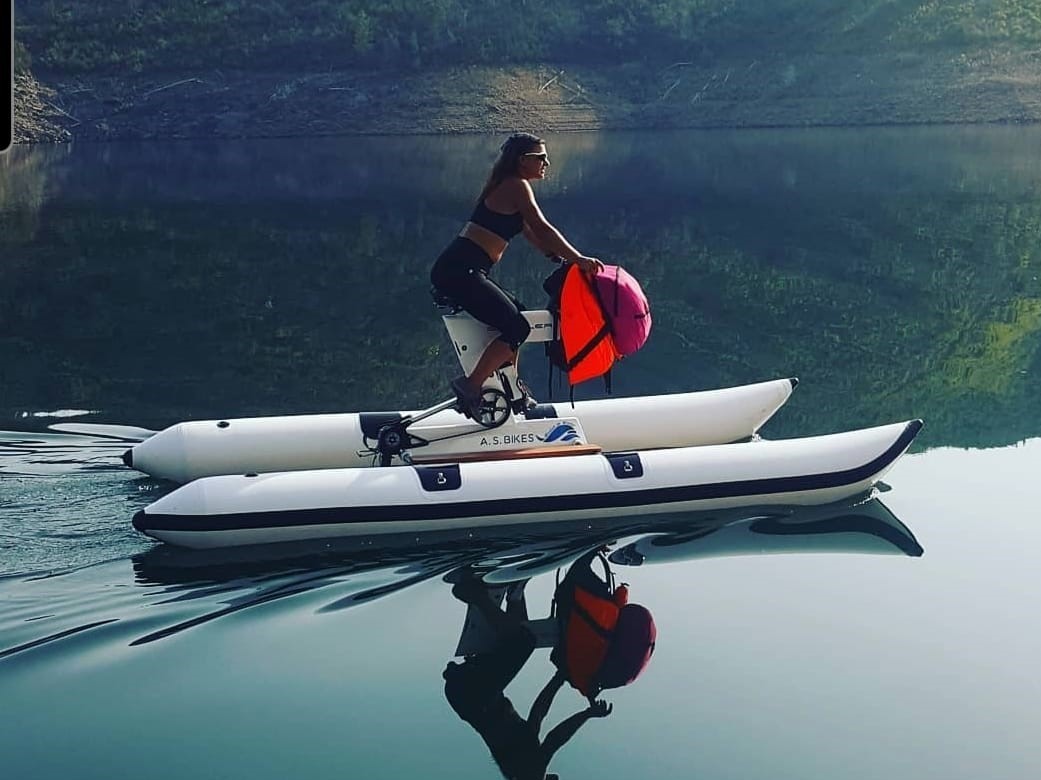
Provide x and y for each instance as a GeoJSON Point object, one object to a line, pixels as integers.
{"type": "Point", "coordinates": [505, 226]}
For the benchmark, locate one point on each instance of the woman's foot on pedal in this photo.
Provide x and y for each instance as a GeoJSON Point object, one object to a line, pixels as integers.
{"type": "Point", "coordinates": [469, 401]}
{"type": "Point", "coordinates": [529, 399]}
{"type": "Point", "coordinates": [470, 589]}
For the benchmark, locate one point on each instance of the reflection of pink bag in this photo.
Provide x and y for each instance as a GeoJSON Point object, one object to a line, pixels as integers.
{"type": "Point", "coordinates": [625, 307]}
{"type": "Point", "coordinates": [631, 646]}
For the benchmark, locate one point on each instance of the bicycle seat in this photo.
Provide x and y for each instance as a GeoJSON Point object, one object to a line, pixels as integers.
{"type": "Point", "coordinates": [443, 301]}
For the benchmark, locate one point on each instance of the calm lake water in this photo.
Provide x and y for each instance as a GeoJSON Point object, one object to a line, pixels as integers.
{"type": "Point", "coordinates": [894, 271]}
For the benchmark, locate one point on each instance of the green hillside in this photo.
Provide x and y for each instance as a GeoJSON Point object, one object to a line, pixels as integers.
{"type": "Point", "coordinates": [141, 35]}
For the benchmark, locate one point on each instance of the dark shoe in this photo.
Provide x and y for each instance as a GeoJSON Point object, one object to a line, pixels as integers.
{"type": "Point", "coordinates": [469, 402]}
{"type": "Point", "coordinates": [469, 590]}
{"type": "Point", "coordinates": [529, 399]}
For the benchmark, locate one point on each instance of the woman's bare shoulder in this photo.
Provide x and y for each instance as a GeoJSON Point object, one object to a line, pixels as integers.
{"type": "Point", "coordinates": [519, 190]}
{"type": "Point", "coordinates": [512, 194]}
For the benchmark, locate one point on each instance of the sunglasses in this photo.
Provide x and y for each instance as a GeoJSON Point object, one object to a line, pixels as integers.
{"type": "Point", "coordinates": [543, 156]}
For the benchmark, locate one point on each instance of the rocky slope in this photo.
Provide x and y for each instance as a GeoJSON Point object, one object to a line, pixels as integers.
{"type": "Point", "coordinates": [990, 85]}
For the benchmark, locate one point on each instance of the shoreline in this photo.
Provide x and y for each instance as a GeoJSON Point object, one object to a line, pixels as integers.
{"type": "Point", "coordinates": [890, 89]}
{"type": "Point", "coordinates": [62, 140]}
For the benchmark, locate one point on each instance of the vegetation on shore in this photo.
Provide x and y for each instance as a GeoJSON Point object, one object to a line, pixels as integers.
{"type": "Point", "coordinates": [88, 36]}
{"type": "Point", "coordinates": [133, 69]}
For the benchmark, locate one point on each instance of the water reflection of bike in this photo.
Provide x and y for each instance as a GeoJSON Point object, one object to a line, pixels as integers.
{"type": "Point", "coordinates": [599, 641]}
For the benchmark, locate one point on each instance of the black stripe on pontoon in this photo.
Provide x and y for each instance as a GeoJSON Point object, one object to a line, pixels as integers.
{"type": "Point", "coordinates": [522, 506]}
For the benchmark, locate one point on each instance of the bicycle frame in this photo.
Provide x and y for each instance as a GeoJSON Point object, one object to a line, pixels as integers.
{"type": "Point", "coordinates": [470, 337]}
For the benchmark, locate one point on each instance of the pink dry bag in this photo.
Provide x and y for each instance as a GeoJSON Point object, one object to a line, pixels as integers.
{"type": "Point", "coordinates": [625, 307]}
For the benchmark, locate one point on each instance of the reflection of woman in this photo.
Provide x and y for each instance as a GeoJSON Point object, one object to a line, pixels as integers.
{"type": "Point", "coordinates": [474, 689]}
{"type": "Point", "coordinates": [505, 208]}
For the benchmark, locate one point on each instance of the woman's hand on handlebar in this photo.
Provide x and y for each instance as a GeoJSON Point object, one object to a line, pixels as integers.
{"type": "Point", "coordinates": [590, 265]}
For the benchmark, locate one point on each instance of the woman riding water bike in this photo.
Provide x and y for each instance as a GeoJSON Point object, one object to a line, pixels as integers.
{"type": "Point", "coordinates": [505, 208]}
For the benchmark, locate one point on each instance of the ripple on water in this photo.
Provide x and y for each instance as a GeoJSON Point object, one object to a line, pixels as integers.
{"type": "Point", "coordinates": [97, 613]}
{"type": "Point", "coordinates": [67, 448]}
{"type": "Point", "coordinates": [67, 498]}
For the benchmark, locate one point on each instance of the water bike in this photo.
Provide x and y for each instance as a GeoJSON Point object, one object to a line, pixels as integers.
{"type": "Point", "coordinates": [263, 480]}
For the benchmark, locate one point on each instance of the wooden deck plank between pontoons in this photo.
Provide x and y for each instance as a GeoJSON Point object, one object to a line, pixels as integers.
{"type": "Point", "coordinates": [529, 452]}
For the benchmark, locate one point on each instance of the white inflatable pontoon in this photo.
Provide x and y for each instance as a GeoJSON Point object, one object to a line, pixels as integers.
{"type": "Point", "coordinates": [263, 508]}
{"type": "Point", "coordinates": [190, 450]}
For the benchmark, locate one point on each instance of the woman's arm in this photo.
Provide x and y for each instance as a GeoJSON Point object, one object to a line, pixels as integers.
{"type": "Point", "coordinates": [540, 707]}
{"type": "Point", "coordinates": [534, 241]}
{"type": "Point", "coordinates": [566, 729]}
{"type": "Point", "coordinates": [542, 234]}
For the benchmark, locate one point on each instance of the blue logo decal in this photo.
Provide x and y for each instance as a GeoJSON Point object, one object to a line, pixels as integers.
{"type": "Point", "coordinates": [560, 432]}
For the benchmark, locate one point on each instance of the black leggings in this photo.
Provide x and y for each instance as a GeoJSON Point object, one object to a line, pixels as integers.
{"type": "Point", "coordinates": [481, 679]}
{"type": "Point", "coordinates": [461, 273]}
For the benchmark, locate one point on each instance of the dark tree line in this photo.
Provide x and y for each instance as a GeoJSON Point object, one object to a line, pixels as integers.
{"type": "Point", "coordinates": [115, 35]}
